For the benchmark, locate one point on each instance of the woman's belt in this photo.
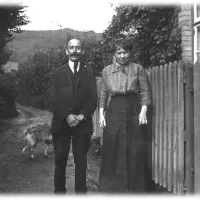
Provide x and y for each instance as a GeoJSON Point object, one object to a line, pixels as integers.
{"type": "Point", "coordinates": [123, 94]}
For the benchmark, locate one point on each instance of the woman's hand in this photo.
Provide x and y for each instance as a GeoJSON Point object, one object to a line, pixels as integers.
{"type": "Point", "coordinates": [143, 116]}
{"type": "Point", "coordinates": [102, 121]}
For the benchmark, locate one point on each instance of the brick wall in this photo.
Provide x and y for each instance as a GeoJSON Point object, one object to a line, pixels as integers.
{"type": "Point", "coordinates": [185, 22]}
{"type": "Point", "coordinates": [183, 25]}
{"type": "Point", "coordinates": [176, 28]}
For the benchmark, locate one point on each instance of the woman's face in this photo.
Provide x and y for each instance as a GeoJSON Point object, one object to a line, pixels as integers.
{"type": "Point", "coordinates": [122, 56]}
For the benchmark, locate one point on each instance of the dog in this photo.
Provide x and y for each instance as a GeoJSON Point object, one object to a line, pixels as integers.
{"type": "Point", "coordinates": [38, 134]}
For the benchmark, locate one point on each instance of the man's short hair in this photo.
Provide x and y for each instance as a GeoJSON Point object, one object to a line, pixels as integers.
{"type": "Point", "coordinates": [66, 46]}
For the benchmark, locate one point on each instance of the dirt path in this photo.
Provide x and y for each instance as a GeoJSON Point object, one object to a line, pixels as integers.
{"type": "Point", "coordinates": [20, 174]}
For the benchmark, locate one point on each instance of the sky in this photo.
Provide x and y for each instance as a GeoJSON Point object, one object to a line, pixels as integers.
{"type": "Point", "coordinates": [82, 15]}
{"type": "Point", "coordinates": [79, 15]}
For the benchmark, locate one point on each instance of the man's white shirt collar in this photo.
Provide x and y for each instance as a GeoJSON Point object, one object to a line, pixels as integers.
{"type": "Point", "coordinates": [71, 65]}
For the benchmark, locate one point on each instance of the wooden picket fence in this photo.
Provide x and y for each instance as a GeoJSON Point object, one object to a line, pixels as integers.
{"type": "Point", "coordinates": [98, 132]}
{"type": "Point", "coordinates": [170, 126]}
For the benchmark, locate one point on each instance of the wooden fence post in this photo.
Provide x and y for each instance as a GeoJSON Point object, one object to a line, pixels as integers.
{"type": "Point", "coordinates": [157, 102]}
{"type": "Point", "coordinates": [150, 119]}
{"type": "Point", "coordinates": [189, 128]}
{"type": "Point", "coordinates": [161, 127]}
{"type": "Point", "coordinates": [170, 130]}
{"type": "Point", "coordinates": [196, 75]}
{"type": "Point", "coordinates": [180, 133]}
{"type": "Point", "coordinates": [175, 127]}
{"type": "Point", "coordinates": [153, 121]}
{"type": "Point", "coordinates": [166, 119]}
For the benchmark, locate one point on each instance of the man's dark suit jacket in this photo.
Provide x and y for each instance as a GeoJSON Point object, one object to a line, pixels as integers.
{"type": "Point", "coordinates": [63, 103]}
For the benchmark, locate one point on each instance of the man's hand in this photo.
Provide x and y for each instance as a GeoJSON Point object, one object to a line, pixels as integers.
{"type": "Point", "coordinates": [72, 120]}
{"type": "Point", "coordinates": [80, 117]}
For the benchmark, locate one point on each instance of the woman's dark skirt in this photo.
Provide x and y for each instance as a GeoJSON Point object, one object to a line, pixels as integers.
{"type": "Point", "coordinates": [124, 164]}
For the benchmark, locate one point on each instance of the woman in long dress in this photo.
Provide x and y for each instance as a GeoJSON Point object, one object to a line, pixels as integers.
{"type": "Point", "coordinates": [124, 153]}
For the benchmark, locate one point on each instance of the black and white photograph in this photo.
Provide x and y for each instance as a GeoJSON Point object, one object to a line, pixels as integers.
{"type": "Point", "coordinates": [100, 98]}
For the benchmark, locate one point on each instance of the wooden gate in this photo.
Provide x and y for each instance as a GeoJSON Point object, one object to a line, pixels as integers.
{"type": "Point", "coordinates": [172, 134]}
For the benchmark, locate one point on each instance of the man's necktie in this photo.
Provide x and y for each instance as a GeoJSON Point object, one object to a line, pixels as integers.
{"type": "Point", "coordinates": [75, 67]}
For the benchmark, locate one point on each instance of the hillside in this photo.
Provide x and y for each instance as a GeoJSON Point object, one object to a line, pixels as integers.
{"type": "Point", "coordinates": [26, 42]}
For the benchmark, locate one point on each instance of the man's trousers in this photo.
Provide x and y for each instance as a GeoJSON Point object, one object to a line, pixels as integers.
{"type": "Point", "coordinates": [80, 147]}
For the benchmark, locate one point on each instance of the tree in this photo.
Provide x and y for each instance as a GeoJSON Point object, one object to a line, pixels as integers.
{"type": "Point", "coordinates": [149, 29]}
{"type": "Point", "coordinates": [11, 20]}
{"type": "Point", "coordinates": [34, 75]}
